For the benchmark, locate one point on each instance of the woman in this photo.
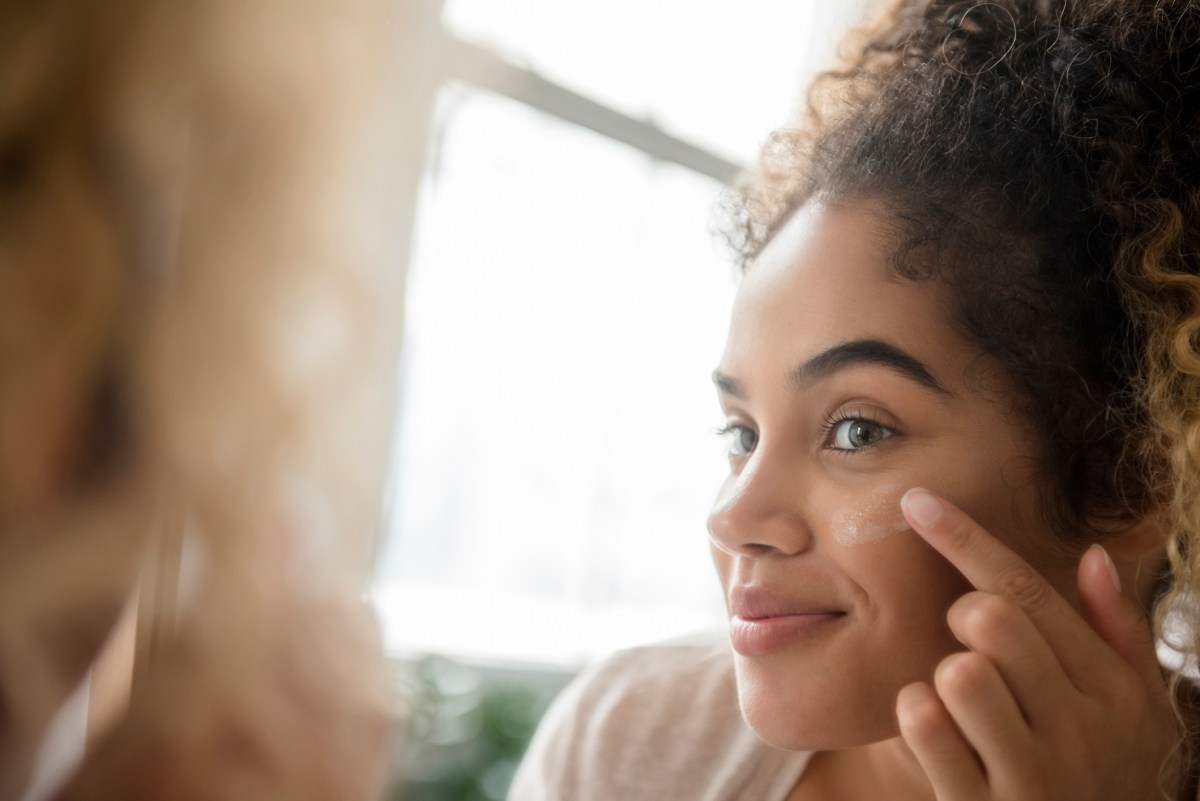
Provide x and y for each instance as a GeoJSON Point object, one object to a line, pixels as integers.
{"type": "Point", "coordinates": [960, 385]}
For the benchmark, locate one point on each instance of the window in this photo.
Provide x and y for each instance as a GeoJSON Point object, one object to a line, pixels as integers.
{"type": "Point", "coordinates": [567, 302]}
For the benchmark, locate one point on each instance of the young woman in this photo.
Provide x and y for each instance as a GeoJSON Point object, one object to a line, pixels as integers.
{"type": "Point", "coordinates": [962, 392]}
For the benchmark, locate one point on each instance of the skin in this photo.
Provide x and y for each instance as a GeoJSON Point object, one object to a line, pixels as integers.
{"type": "Point", "coordinates": [971, 656]}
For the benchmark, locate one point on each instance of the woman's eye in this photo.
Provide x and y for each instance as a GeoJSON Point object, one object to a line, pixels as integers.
{"type": "Point", "coordinates": [856, 433]}
{"type": "Point", "coordinates": [742, 440]}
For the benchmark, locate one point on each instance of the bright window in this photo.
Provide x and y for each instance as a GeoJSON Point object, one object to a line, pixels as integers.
{"type": "Point", "coordinates": [554, 457]}
{"type": "Point", "coordinates": [721, 74]}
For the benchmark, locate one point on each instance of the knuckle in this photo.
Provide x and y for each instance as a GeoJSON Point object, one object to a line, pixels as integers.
{"type": "Point", "coordinates": [1124, 697]}
{"type": "Point", "coordinates": [964, 532]}
{"type": "Point", "coordinates": [922, 719]}
{"type": "Point", "coordinates": [1028, 589]}
{"type": "Point", "coordinates": [962, 675]}
{"type": "Point", "coordinates": [987, 617]}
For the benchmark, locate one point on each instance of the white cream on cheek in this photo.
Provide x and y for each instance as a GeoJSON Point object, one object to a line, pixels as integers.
{"type": "Point", "coordinates": [864, 519]}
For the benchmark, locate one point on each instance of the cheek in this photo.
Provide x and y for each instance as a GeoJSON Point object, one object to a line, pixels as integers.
{"type": "Point", "coordinates": [909, 582]}
{"type": "Point", "coordinates": [905, 586]}
{"type": "Point", "coordinates": [868, 518]}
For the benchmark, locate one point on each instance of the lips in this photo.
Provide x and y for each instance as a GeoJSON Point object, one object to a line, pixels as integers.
{"type": "Point", "coordinates": [763, 621]}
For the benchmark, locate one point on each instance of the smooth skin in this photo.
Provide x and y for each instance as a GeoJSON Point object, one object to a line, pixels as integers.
{"type": "Point", "coordinates": [965, 656]}
{"type": "Point", "coordinates": [1043, 693]}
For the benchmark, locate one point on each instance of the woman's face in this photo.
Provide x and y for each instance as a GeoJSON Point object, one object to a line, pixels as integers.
{"type": "Point", "coordinates": [844, 385]}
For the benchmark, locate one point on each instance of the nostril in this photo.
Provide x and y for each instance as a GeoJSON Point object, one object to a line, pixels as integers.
{"type": "Point", "coordinates": [761, 511]}
{"type": "Point", "coordinates": [748, 546]}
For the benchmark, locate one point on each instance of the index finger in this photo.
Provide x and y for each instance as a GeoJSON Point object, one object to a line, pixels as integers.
{"type": "Point", "coordinates": [993, 567]}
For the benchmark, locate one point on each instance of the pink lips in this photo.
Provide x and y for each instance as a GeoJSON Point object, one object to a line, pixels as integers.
{"type": "Point", "coordinates": [762, 621]}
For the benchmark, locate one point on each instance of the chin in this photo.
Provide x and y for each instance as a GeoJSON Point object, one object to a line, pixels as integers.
{"type": "Point", "coordinates": [796, 716]}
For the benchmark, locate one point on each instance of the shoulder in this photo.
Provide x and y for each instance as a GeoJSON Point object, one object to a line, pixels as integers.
{"type": "Point", "coordinates": [632, 687]}
{"type": "Point", "coordinates": [653, 722]}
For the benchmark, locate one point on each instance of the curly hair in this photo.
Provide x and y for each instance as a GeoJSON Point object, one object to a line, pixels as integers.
{"type": "Point", "coordinates": [1042, 157]}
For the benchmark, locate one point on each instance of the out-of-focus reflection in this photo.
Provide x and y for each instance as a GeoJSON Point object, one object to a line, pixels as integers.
{"type": "Point", "coordinates": [198, 317]}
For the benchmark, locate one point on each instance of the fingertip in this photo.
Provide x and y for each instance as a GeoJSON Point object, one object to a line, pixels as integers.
{"type": "Point", "coordinates": [922, 507]}
{"type": "Point", "coordinates": [925, 724]}
{"type": "Point", "coordinates": [1115, 617]}
{"type": "Point", "coordinates": [930, 732]}
{"type": "Point", "coordinates": [919, 711]}
{"type": "Point", "coordinates": [1109, 566]}
{"type": "Point", "coordinates": [1098, 576]}
{"type": "Point", "coordinates": [963, 675]}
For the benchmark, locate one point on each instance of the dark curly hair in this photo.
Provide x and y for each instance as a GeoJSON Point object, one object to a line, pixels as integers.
{"type": "Point", "coordinates": [1043, 159]}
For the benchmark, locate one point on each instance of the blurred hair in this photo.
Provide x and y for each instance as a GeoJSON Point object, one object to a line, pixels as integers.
{"type": "Point", "coordinates": [198, 314]}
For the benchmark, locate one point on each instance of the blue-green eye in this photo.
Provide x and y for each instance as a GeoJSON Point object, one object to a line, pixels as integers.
{"type": "Point", "coordinates": [856, 433]}
{"type": "Point", "coordinates": [742, 440]}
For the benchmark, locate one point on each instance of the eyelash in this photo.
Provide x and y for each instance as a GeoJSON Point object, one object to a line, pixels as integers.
{"type": "Point", "coordinates": [726, 432]}
{"type": "Point", "coordinates": [828, 427]}
{"type": "Point", "coordinates": [831, 423]}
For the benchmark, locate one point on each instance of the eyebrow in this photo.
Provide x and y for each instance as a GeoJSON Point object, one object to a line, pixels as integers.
{"type": "Point", "coordinates": [841, 356]}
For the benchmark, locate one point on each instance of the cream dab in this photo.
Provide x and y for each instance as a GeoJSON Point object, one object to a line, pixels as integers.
{"type": "Point", "coordinates": [870, 518]}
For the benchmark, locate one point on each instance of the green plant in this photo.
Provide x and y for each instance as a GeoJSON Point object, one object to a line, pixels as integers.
{"type": "Point", "coordinates": [466, 734]}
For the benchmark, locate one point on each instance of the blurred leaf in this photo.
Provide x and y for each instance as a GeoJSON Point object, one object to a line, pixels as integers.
{"type": "Point", "coordinates": [466, 737]}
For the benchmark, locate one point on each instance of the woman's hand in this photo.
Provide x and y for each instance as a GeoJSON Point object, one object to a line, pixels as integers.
{"type": "Point", "coordinates": [1045, 704]}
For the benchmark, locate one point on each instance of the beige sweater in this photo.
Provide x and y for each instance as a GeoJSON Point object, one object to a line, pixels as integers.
{"type": "Point", "coordinates": [659, 723]}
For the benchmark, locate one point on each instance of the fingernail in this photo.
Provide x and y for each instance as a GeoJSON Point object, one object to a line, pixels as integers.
{"type": "Point", "coordinates": [1112, 568]}
{"type": "Point", "coordinates": [922, 506]}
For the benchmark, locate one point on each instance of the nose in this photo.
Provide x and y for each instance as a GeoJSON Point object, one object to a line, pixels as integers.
{"type": "Point", "coordinates": [761, 511]}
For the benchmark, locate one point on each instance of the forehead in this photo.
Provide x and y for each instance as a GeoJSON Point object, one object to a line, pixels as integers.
{"type": "Point", "coordinates": [826, 278]}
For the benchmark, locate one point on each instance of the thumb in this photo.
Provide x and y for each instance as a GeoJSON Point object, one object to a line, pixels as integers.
{"type": "Point", "coordinates": [1117, 619]}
